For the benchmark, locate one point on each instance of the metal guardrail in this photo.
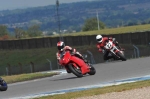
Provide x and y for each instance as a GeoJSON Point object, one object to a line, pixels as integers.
{"type": "Point", "coordinates": [50, 63]}
{"type": "Point", "coordinates": [136, 51]}
{"type": "Point", "coordinates": [91, 57]}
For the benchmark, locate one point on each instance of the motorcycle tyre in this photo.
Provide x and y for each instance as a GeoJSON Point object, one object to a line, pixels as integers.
{"type": "Point", "coordinates": [75, 71]}
{"type": "Point", "coordinates": [3, 87]}
{"type": "Point", "coordinates": [92, 70]}
{"type": "Point", "coordinates": [122, 57]}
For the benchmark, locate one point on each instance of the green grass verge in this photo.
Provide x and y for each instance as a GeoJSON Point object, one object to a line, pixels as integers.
{"type": "Point", "coordinates": [26, 77]}
{"type": "Point", "coordinates": [13, 57]}
{"type": "Point", "coordinates": [107, 31]}
{"type": "Point", "coordinates": [98, 91]}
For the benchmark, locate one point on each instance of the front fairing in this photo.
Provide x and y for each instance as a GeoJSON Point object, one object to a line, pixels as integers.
{"type": "Point", "coordinates": [111, 47]}
{"type": "Point", "coordinates": [65, 57]}
{"type": "Point", "coordinates": [80, 63]}
{"type": "Point", "coordinates": [108, 45]}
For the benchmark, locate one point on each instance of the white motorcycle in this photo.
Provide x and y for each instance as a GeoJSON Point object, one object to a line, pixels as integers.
{"type": "Point", "coordinates": [114, 51]}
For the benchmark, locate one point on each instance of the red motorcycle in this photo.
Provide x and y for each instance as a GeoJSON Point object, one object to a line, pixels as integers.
{"type": "Point", "coordinates": [75, 65]}
{"type": "Point", "coordinates": [114, 51]}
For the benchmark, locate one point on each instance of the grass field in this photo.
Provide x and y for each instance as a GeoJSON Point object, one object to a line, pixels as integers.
{"type": "Point", "coordinates": [107, 31]}
{"type": "Point", "coordinates": [24, 57]}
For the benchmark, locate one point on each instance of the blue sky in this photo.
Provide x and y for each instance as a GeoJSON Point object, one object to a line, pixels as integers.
{"type": "Point", "coordinates": [15, 4]}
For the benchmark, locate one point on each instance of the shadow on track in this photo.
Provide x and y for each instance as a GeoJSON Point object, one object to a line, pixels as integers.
{"type": "Point", "coordinates": [69, 78]}
{"type": "Point", "coordinates": [64, 78]}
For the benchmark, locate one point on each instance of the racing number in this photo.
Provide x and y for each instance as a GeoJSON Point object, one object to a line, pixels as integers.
{"type": "Point", "coordinates": [108, 45]}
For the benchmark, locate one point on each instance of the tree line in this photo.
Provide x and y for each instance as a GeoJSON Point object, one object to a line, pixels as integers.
{"type": "Point", "coordinates": [113, 13]}
{"type": "Point", "coordinates": [34, 31]}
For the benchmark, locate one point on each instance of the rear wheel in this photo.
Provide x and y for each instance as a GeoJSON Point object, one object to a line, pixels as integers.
{"type": "Point", "coordinates": [3, 88]}
{"type": "Point", "coordinates": [122, 57]}
{"type": "Point", "coordinates": [3, 85]}
{"type": "Point", "coordinates": [75, 71]}
{"type": "Point", "coordinates": [92, 70]}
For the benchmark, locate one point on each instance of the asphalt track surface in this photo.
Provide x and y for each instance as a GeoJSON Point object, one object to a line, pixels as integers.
{"type": "Point", "coordinates": [106, 72]}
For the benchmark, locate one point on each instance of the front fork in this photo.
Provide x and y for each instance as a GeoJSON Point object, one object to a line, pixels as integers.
{"type": "Point", "coordinates": [114, 51]}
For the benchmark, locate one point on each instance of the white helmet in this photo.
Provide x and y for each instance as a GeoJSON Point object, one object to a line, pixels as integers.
{"type": "Point", "coordinates": [99, 38]}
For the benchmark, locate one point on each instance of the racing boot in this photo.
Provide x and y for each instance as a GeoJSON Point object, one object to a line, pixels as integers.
{"type": "Point", "coordinates": [81, 57]}
{"type": "Point", "coordinates": [118, 46]}
{"type": "Point", "coordinates": [87, 62]}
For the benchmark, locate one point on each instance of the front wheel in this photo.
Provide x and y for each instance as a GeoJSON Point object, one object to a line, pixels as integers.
{"type": "Point", "coordinates": [122, 57]}
{"type": "Point", "coordinates": [92, 70]}
{"type": "Point", "coordinates": [3, 85]}
{"type": "Point", "coordinates": [75, 71]}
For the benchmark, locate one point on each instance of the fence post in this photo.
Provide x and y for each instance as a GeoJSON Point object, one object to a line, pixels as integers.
{"type": "Point", "coordinates": [92, 58]}
{"type": "Point", "coordinates": [59, 67]}
{"type": "Point", "coordinates": [32, 67]}
{"type": "Point", "coordinates": [9, 69]}
{"type": "Point", "coordinates": [134, 53]}
{"type": "Point", "coordinates": [137, 49]}
{"type": "Point", "coordinates": [50, 64]}
{"type": "Point", "coordinates": [21, 71]}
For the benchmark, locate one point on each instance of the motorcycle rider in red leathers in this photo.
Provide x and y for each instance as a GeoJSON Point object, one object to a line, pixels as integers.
{"type": "Point", "coordinates": [101, 41]}
{"type": "Point", "coordinates": [61, 47]}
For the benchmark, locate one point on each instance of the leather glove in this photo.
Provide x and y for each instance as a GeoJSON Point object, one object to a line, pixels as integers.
{"type": "Point", "coordinates": [114, 39]}
{"type": "Point", "coordinates": [100, 50]}
{"type": "Point", "coordinates": [103, 51]}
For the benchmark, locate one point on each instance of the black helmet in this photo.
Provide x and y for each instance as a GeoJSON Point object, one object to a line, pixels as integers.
{"type": "Point", "coordinates": [60, 45]}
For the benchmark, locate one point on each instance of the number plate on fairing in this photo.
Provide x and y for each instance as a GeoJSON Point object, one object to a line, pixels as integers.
{"type": "Point", "coordinates": [109, 45]}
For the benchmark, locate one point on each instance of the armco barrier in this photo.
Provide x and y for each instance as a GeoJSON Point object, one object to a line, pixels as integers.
{"type": "Point", "coordinates": [139, 38]}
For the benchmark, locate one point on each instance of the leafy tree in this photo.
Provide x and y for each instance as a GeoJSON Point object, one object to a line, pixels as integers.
{"type": "Point", "coordinates": [91, 24]}
{"type": "Point", "coordinates": [34, 31]}
{"type": "Point", "coordinates": [3, 30]}
{"type": "Point", "coordinates": [3, 33]}
{"type": "Point", "coordinates": [20, 33]}
{"type": "Point", "coordinates": [34, 22]}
